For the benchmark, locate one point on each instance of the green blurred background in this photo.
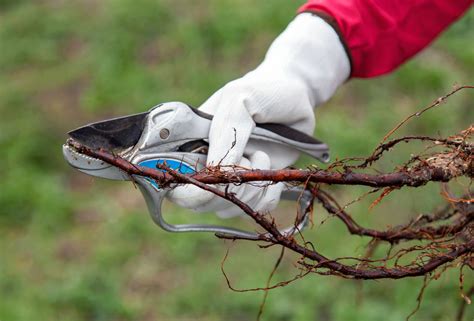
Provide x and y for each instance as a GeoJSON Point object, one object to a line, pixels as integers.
{"type": "Point", "coordinates": [77, 248]}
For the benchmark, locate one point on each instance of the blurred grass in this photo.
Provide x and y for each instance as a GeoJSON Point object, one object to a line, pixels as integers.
{"type": "Point", "coordinates": [76, 248]}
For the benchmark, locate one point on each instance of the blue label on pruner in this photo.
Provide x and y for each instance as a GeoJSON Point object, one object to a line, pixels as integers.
{"type": "Point", "coordinates": [173, 164]}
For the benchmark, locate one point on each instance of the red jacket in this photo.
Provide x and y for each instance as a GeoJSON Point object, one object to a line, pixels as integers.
{"type": "Point", "coordinates": [379, 35]}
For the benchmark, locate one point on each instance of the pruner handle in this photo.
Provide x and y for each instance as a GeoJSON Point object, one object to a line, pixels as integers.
{"type": "Point", "coordinates": [154, 198]}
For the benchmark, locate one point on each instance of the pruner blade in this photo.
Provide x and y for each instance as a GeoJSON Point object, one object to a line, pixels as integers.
{"type": "Point", "coordinates": [112, 134]}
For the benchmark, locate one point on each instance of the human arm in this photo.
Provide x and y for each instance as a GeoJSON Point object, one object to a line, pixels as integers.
{"type": "Point", "coordinates": [299, 72]}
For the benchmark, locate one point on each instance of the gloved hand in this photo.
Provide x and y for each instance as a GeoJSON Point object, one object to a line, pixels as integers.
{"type": "Point", "coordinates": [302, 69]}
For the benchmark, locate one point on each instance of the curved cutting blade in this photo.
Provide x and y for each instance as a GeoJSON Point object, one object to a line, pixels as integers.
{"type": "Point", "coordinates": [111, 134]}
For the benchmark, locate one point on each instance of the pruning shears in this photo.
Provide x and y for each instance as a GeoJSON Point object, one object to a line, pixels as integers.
{"type": "Point", "coordinates": [176, 135]}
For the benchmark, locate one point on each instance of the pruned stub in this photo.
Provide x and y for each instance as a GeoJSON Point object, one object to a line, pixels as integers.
{"type": "Point", "coordinates": [453, 164]}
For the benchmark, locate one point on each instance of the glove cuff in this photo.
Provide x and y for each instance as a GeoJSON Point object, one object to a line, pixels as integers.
{"type": "Point", "coordinates": [310, 51]}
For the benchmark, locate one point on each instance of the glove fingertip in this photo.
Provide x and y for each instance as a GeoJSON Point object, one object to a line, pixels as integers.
{"type": "Point", "coordinates": [260, 160]}
{"type": "Point", "coordinates": [190, 196]}
{"type": "Point", "coordinates": [270, 198]}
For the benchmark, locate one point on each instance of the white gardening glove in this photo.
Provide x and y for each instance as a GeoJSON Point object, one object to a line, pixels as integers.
{"type": "Point", "coordinates": [301, 70]}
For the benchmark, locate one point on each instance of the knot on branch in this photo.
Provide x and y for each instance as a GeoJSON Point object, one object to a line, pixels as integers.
{"type": "Point", "coordinates": [452, 164]}
{"type": "Point", "coordinates": [449, 165]}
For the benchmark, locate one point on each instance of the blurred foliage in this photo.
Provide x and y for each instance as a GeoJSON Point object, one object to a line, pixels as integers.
{"type": "Point", "coordinates": [76, 248]}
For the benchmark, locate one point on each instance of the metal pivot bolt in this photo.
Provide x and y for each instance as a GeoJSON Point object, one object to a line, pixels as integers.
{"type": "Point", "coordinates": [164, 133]}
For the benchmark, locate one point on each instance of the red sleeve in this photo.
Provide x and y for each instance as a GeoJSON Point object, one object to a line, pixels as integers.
{"type": "Point", "coordinates": [381, 34]}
